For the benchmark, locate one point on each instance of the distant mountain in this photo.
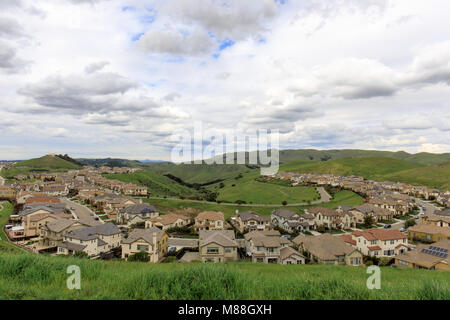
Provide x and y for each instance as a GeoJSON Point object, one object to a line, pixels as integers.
{"type": "Point", "coordinates": [111, 162]}
{"type": "Point", "coordinates": [152, 161]}
{"type": "Point", "coordinates": [326, 155]}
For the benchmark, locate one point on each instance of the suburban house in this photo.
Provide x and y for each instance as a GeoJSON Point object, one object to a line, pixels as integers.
{"type": "Point", "coordinates": [55, 190]}
{"type": "Point", "coordinates": [378, 242]}
{"type": "Point", "coordinates": [52, 232]}
{"type": "Point", "coordinates": [154, 241]}
{"type": "Point", "coordinates": [250, 220]}
{"type": "Point", "coordinates": [289, 255]}
{"type": "Point", "coordinates": [133, 190]}
{"type": "Point", "coordinates": [138, 213]}
{"type": "Point", "coordinates": [217, 246]}
{"type": "Point", "coordinates": [289, 220]}
{"type": "Point", "coordinates": [168, 221]}
{"type": "Point", "coordinates": [431, 257]}
{"type": "Point", "coordinates": [367, 209]}
{"type": "Point", "coordinates": [428, 233]}
{"type": "Point", "coordinates": [332, 219]}
{"type": "Point", "coordinates": [328, 249]}
{"type": "Point", "coordinates": [33, 217]}
{"type": "Point", "coordinates": [7, 193]}
{"type": "Point", "coordinates": [209, 220]}
{"type": "Point", "coordinates": [266, 246]}
{"type": "Point", "coordinates": [438, 218]}
{"type": "Point", "coordinates": [95, 241]}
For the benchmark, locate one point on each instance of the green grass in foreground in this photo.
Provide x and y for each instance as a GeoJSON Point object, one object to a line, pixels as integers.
{"type": "Point", "coordinates": [43, 277]}
{"type": "Point", "coordinates": [165, 205]}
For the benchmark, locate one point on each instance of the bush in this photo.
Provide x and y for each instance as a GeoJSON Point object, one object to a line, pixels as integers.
{"type": "Point", "coordinates": [369, 263]}
{"type": "Point", "coordinates": [284, 202]}
{"type": "Point", "coordinates": [141, 256]}
{"type": "Point", "coordinates": [170, 259]}
{"type": "Point", "coordinates": [321, 229]}
{"type": "Point", "coordinates": [81, 255]}
{"type": "Point", "coordinates": [410, 223]}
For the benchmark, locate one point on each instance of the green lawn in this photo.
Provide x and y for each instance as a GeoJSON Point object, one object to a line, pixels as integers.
{"type": "Point", "coordinates": [4, 216]}
{"type": "Point", "coordinates": [341, 198]}
{"type": "Point", "coordinates": [252, 191]}
{"type": "Point", "coordinates": [43, 277]}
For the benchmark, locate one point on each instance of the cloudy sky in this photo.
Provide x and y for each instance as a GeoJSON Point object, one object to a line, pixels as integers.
{"type": "Point", "coordinates": [96, 78]}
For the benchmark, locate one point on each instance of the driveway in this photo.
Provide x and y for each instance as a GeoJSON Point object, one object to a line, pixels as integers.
{"type": "Point", "coordinates": [80, 211]}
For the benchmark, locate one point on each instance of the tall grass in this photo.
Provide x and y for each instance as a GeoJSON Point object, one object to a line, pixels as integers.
{"type": "Point", "coordinates": [42, 277]}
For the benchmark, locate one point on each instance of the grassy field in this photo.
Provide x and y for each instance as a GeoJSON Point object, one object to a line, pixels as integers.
{"type": "Point", "coordinates": [198, 173]}
{"type": "Point", "coordinates": [165, 205]}
{"type": "Point", "coordinates": [5, 212]}
{"type": "Point", "coordinates": [158, 185]}
{"type": "Point", "coordinates": [42, 277]}
{"type": "Point", "coordinates": [252, 191]}
{"type": "Point", "coordinates": [437, 176]}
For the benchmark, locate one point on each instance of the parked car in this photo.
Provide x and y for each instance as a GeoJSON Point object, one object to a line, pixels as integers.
{"type": "Point", "coordinates": [402, 230]}
{"type": "Point", "coordinates": [387, 226]}
{"type": "Point", "coordinates": [286, 236]}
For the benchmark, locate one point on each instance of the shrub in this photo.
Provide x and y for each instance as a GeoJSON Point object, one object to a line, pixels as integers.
{"type": "Point", "coordinates": [369, 263]}
{"type": "Point", "coordinates": [284, 203]}
{"type": "Point", "coordinates": [81, 255]}
{"type": "Point", "coordinates": [141, 256]}
{"type": "Point", "coordinates": [170, 259]}
{"type": "Point", "coordinates": [410, 223]}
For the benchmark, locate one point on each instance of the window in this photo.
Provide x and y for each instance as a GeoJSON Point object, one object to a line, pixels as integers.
{"type": "Point", "coordinates": [212, 250]}
{"type": "Point", "coordinates": [141, 247]}
{"type": "Point", "coordinates": [392, 241]}
{"type": "Point", "coordinates": [403, 263]}
{"type": "Point", "coordinates": [227, 249]}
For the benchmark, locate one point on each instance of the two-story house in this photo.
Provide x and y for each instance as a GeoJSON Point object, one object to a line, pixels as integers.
{"type": "Point", "coordinates": [250, 221]}
{"type": "Point", "coordinates": [135, 214]}
{"type": "Point", "coordinates": [217, 246]}
{"type": "Point", "coordinates": [154, 241]}
{"type": "Point", "coordinates": [209, 220]}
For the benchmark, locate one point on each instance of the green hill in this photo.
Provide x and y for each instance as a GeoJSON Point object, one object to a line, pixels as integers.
{"type": "Point", "coordinates": [436, 176]}
{"type": "Point", "coordinates": [47, 162]}
{"type": "Point", "coordinates": [29, 276]}
{"type": "Point", "coordinates": [157, 185]}
{"type": "Point", "coordinates": [370, 168]}
{"type": "Point", "coordinates": [433, 176]}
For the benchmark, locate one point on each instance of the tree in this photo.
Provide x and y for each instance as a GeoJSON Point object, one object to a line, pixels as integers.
{"type": "Point", "coordinates": [368, 220]}
{"type": "Point", "coordinates": [409, 223]}
{"type": "Point", "coordinates": [284, 202]}
{"type": "Point", "coordinates": [140, 256]}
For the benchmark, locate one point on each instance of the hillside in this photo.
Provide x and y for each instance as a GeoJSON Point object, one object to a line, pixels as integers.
{"type": "Point", "coordinates": [433, 176]}
{"type": "Point", "coordinates": [157, 185]}
{"type": "Point", "coordinates": [198, 173]}
{"type": "Point", "coordinates": [47, 162]}
{"type": "Point", "coordinates": [26, 276]}
{"type": "Point", "coordinates": [111, 162]}
{"type": "Point", "coordinates": [437, 176]}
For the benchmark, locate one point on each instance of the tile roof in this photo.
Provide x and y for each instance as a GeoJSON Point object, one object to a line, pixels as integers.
{"type": "Point", "coordinates": [224, 238]}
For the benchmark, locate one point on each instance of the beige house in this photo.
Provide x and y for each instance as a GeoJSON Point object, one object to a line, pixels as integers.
{"type": "Point", "coordinates": [250, 220]}
{"type": "Point", "coordinates": [428, 233]}
{"type": "Point", "coordinates": [95, 241]}
{"type": "Point", "coordinates": [209, 220]}
{"type": "Point", "coordinates": [154, 241]}
{"type": "Point", "coordinates": [52, 233]}
{"type": "Point", "coordinates": [217, 246]}
{"type": "Point", "coordinates": [332, 219]}
{"type": "Point", "coordinates": [7, 193]}
{"type": "Point", "coordinates": [367, 209]}
{"type": "Point", "coordinates": [168, 221]}
{"type": "Point", "coordinates": [289, 255]}
{"type": "Point", "coordinates": [327, 249]}
{"type": "Point", "coordinates": [438, 218]}
{"type": "Point", "coordinates": [431, 257]}
{"type": "Point", "coordinates": [138, 213]}
{"type": "Point", "coordinates": [378, 242]}
{"type": "Point", "coordinates": [267, 246]}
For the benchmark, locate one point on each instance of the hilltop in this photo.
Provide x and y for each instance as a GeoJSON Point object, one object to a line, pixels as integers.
{"type": "Point", "coordinates": [49, 161]}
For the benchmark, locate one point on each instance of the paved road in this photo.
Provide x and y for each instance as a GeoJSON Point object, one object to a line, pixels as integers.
{"type": "Point", "coordinates": [80, 211]}
{"type": "Point", "coordinates": [429, 208]}
{"type": "Point", "coordinates": [324, 197]}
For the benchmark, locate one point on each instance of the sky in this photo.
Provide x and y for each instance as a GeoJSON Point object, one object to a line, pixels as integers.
{"type": "Point", "coordinates": [116, 78]}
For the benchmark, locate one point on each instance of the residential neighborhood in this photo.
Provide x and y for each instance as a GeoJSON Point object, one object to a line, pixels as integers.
{"type": "Point", "coordinates": [80, 212]}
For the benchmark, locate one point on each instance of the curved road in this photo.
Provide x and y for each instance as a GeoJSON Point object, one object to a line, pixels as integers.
{"type": "Point", "coordinates": [324, 197]}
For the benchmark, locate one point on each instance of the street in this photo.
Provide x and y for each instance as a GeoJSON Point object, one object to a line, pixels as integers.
{"type": "Point", "coordinates": [81, 212]}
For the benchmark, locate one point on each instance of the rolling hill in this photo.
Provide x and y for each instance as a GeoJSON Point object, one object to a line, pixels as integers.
{"type": "Point", "coordinates": [47, 162]}
{"type": "Point", "coordinates": [433, 176]}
